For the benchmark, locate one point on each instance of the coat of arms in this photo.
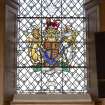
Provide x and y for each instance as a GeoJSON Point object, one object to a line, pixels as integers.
{"type": "Point", "coordinates": [49, 48]}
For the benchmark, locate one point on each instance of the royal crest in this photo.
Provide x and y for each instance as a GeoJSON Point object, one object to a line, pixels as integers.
{"type": "Point", "coordinates": [48, 50]}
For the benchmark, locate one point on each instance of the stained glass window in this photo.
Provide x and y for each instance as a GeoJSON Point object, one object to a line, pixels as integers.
{"type": "Point", "coordinates": [51, 47]}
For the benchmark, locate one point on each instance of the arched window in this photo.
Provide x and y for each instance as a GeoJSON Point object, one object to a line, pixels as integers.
{"type": "Point", "coordinates": [51, 47]}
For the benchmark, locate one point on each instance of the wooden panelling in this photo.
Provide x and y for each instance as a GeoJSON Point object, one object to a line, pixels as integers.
{"type": "Point", "coordinates": [102, 16]}
{"type": "Point", "coordinates": [100, 59]}
{"type": "Point", "coordinates": [2, 31]}
{"type": "Point", "coordinates": [102, 100]}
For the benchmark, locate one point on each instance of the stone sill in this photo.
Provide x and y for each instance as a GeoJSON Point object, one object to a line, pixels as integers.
{"type": "Point", "coordinates": [52, 98]}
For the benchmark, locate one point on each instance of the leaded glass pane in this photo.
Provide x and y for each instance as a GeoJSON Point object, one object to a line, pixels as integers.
{"type": "Point", "coordinates": [51, 47]}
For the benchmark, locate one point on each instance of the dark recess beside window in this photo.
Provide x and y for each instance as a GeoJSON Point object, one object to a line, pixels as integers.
{"type": "Point", "coordinates": [100, 61]}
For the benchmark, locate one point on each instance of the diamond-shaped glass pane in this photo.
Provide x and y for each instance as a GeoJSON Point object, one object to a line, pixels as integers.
{"type": "Point", "coordinates": [72, 8]}
{"type": "Point", "coordinates": [29, 8]}
{"type": "Point", "coordinates": [51, 47]}
{"type": "Point", "coordinates": [51, 8]}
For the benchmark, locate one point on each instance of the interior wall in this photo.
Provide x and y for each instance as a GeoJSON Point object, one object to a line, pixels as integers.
{"type": "Point", "coordinates": [102, 15]}
{"type": "Point", "coordinates": [95, 13]}
{"type": "Point", "coordinates": [2, 31]}
{"type": "Point", "coordinates": [7, 48]}
{"type": "Point", "coordinates": [92, 13]}
{"type": "Point", "coordinates": [10, 50]}
{"type": "Point", "coordinates": [93, 27]}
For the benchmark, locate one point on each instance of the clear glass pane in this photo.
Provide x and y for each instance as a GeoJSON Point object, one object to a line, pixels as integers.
{"type": "Point", "coordinates": [51, 8]}
{"type": "Point", "coordinates": [29, 8]}
{"type": "Point", "coordinates": [72, 8]}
